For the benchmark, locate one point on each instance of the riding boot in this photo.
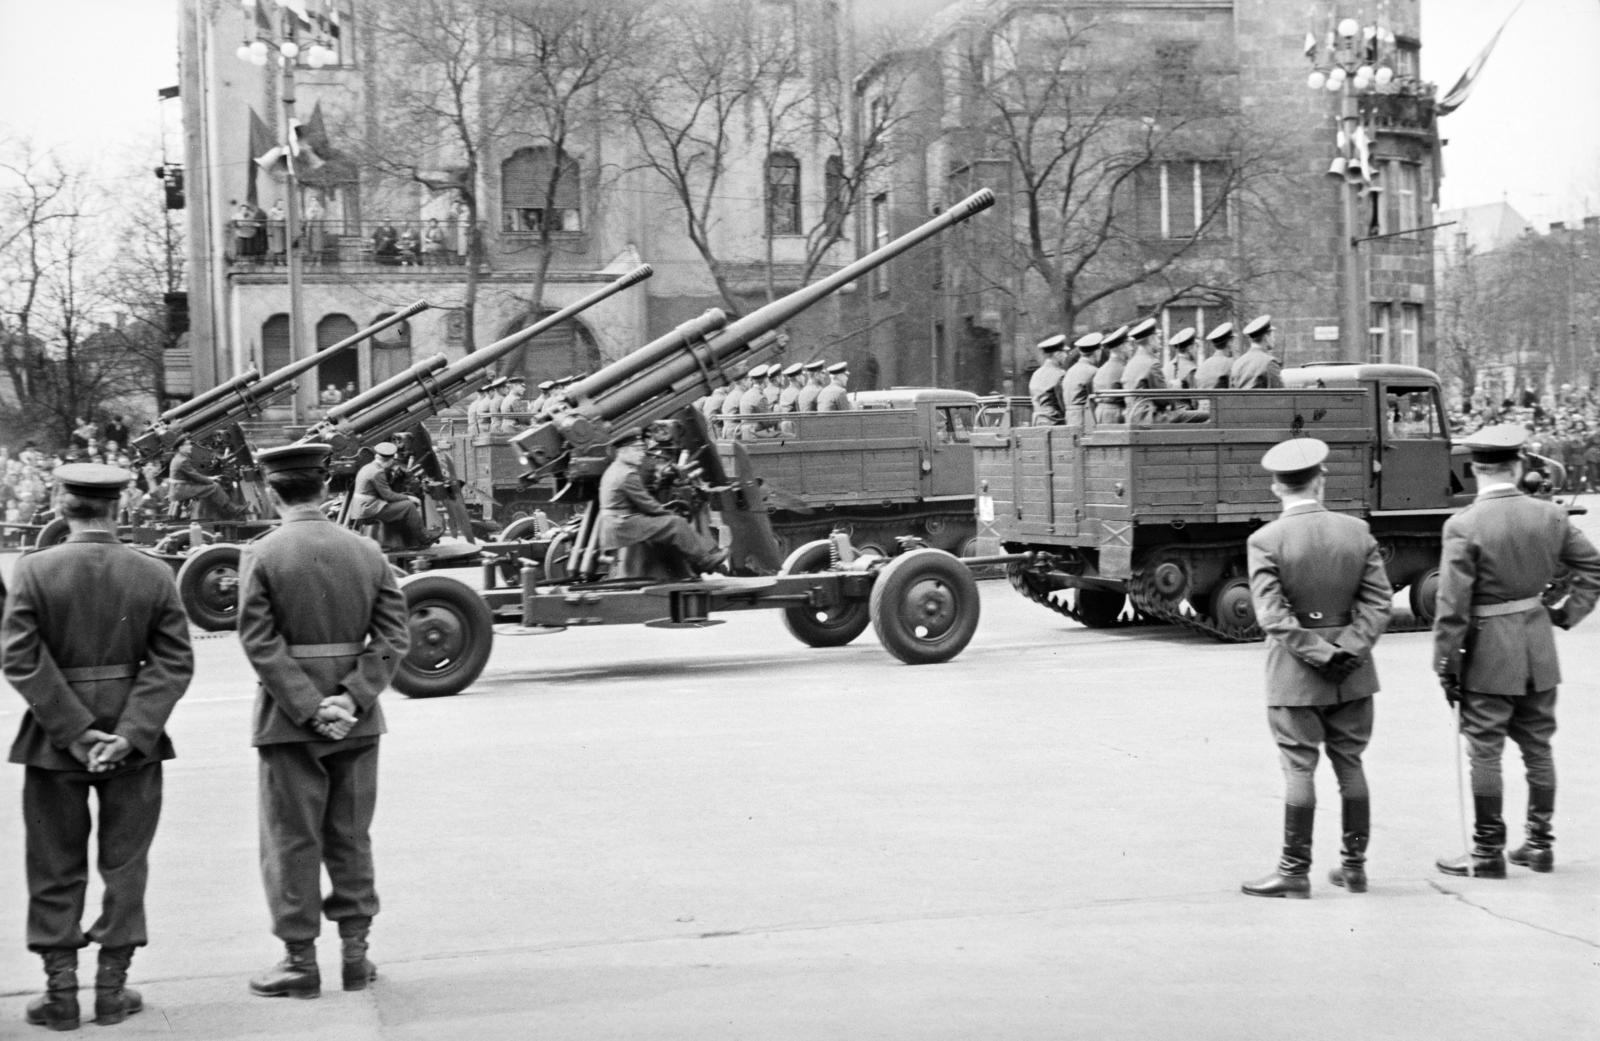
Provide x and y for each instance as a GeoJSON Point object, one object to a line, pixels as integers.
{"type": "Point", "coordinates": [1536, 853]}
{"type": "Point", "coordinates": [1290, 879]}
{"type": "Point", "coordinates": [1351, 873]}
{"type": "Point", "coordinates": [57, 1008]}
{"type": "Point", "coordinates": [296, 976]}
{"type": "Point", "coordinates": [114, 1000]}
{"type": "Point", "coordinates": [1487, 859]}
{"type": "Point", "coordinates": [357, 969]}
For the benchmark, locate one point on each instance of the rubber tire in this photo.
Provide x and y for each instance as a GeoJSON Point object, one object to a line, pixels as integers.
{"type": "Point", "coordinates": [557, 557]}
{"type": "Point", "coordinates": [205, 580]}
{"type": "Point", "coordinates": [838, 626]}
{"type": "Point", "coordinates": [52, 534]}
{"type": "Point", "coordinates": [523, 529]}
{"type": "Point", "coordinates": [1424, 592]}
{"type": "Point", "coordinates": [1100, 608]}
{"type": "Point", "coordinates": [444, 615]}
{"type": "Point", "coordinates": [918, 588]}
{"type": "Point", "coordinates": [1226, 610]}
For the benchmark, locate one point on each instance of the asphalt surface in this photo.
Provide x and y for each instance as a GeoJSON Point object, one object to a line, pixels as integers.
{"type": "Point", "coordinates": [633, 833]}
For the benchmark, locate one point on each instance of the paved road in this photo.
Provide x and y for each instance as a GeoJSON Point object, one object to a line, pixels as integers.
{"type": "Point", "coordinates": [630, 833]}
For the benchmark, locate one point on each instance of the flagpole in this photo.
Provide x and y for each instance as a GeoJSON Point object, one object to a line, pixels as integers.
{"type": "Point", "coordinates": [297, 342]}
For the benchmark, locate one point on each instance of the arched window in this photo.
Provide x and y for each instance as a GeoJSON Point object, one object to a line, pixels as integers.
{"type": "Point", "coordinates": [391, 350]}
{"type": "Point", "coordinates": [275, 343]}
{"type": "Point", "coordinates": [567, 349]}
{"type": "Point", "coordinates": [783, 194]}
{"type": "Point", "coordinates": [834, 189]}
{"type": "Point", "coordinates": [538, 194]}
{"type": "Point", "coordinates": [343, 370]}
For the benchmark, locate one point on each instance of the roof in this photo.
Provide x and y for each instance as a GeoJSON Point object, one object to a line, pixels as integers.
{"type": "Point", "coordinates": [907, 397]}
{"type": "Point", "coordinates": [1350, 374]}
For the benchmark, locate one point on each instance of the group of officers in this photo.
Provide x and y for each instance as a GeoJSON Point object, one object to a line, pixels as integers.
{"type": "Point", "coordinates": [813, 386]}
{"type": "Point", "coordinates": [1080, 380]}
{"type": "Point", "coordinates": [503, 406]}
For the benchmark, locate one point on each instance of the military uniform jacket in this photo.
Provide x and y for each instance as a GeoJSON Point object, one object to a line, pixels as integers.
{"type": "Point", "coordinates": [788, 399]}
{"type": "Point", "coordinates": [1109, 375]}
{"type": "Point", "coordinates": [711, 408]}
{"type": "Point", "coordinates": [807, 400]}
{"type": "Point", "coordinates": [1181, 372]}
{"type": "Point", "coordinates": [1044, 386]}
{"type": "Point", "coordinates": [1508, 546]}
{"type": "Point", "coordinates": [1256, 368]}
{"type": "Point", "coordinates": [1142, 373]}
{"type": "Point", "coordinates": [373, 491]}
{"type": "Point", "coordinates": [1216, 371]}
{"type": "Point", "coordinates": [184, 481]}
{"type": "Point", "coordinates": [319, 614]}
{"type": "Point", "coordinates": [1312, 561]}
{"type": "Point", "coordinates": [93, 603]}
{"type": "Point", "coordinates": [1078, 382]}
{"type": "Point", "coordinates": [624, 503]}
{"type": "Point", "coordinates": [833, 398]}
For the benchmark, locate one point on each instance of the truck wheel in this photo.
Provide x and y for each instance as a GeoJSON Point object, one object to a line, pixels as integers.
{"type": "Point", "coordinates": [1424, 591]}
{"type": "Point", "coordinates": [822, 627]}
{"type": "Point", "coordinates": [1100, 608]}
{"type": "Point", "coordinates": [558, 557]}
{"type": "Point", "coordinates": [208, 585]}
{"type": "Point", "coordinates": [925, 606]}
{"type": "Point", "coordinates": [523, 528]}
{"type": "Point", "coordinates": [451, 633]}
{"type": "Point", "coordinates": [1231, 608]}
{"type": "Point", "coordinates": [53, 533]}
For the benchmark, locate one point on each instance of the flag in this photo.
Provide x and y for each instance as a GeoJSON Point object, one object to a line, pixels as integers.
{"type": "Point", "coordinates": [167, 93]}
{"type": "Point", "coordinates": [1458, 93]}
{"type": "Point", "coordinates": [260, 144]}
{"type": "Point", "coordinates": [1311, 45]}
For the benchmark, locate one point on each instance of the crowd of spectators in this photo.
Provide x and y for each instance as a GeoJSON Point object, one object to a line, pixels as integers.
{"type": "Point", "coordinates": [1566, 430]}
{"type": "Point", "coordinates": [26, 475]}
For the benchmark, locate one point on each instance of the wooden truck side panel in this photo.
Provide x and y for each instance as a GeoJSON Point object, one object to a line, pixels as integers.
{"type": "Point", "coordinates": [824, 458]}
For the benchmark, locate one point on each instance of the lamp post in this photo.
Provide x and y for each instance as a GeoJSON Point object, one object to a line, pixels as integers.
{"type": "Point", "coordinates": [1350, 67]}
{"type": "Point", "coordinates": [273, 30]}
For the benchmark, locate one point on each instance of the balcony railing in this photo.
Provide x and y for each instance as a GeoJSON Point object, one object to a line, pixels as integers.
{"type": "Point", "coordinates": [1410, 111]}
{"type": "Point", "coordinates": [378, 245]}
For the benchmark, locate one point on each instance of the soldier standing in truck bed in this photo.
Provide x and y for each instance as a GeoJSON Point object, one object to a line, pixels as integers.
{"type": "Point", "coordinates": [730, 405]}
{"type": "Point", "coordinates": [833, 397]}
{"type": "Point", "coordinates": [1044, 386]}
{"type": "Point", "coordinates": [1182, 368]}
{"type": "Point", "coordinates": [1109, 376]}
{"type": "Point", "coordinates": [815, 380]}
{"type": "Point", "coordinates": [1257, 367]}
{"type": "Point", "coordinates": [1143, 372]}
{"type": "Point", "coordinates": [1217, 369]}
{"type": "Point", "coordinates": [789, 397]}
{"type": "Point", "coordinates": [1078, 383]}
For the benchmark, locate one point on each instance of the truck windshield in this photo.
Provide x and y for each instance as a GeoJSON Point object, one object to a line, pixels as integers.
{"type": "Point", "coordinates": [1413, 414]}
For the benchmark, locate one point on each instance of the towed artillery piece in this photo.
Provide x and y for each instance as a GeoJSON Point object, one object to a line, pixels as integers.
{"type": "Point", "coordinates": [922, 602]}
{"type": "Point", "coordinates": [391, 410]}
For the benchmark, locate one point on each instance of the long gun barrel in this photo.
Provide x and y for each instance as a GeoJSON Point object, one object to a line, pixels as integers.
{"type": "Point", "coordinates": [663, 381]}
{"type": "Point", "coordinates": [417, 395]}
{"type": "Point", "coordinates": [247, 395]}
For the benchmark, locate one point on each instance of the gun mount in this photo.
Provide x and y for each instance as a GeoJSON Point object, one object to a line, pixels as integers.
{"type": "Point", "coordinates": [922, 602]}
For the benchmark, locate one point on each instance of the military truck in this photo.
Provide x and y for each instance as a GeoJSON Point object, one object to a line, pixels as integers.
{"type": "Point", "coordinates": [1147, 521]}
{"type": "Point", "coordinates": [899, 463]}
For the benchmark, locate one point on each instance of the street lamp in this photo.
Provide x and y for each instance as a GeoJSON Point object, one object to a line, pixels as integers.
{"type": "Point", "coordinates": [1350, 63]}
{"type": "Point", "coordinates": [274, 29]}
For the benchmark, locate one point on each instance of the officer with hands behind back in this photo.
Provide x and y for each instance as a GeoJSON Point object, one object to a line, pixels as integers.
{"type": "Point", "coordinates": [1494, 641]}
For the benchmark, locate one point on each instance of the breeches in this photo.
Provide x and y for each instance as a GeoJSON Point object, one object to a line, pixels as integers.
{"type": "Point", "coordinates": [317, 802]}
{"type": "Point", "coordinates": [1529, 720]}
{"type": "Point", "coordinates": [1303, 731]}
{"type": "Point", "coordinates": [55, 809]}
{"type": "Point", "coordinates": [665, 529]}
{"type": "Point", "coordinates": [404, 513]}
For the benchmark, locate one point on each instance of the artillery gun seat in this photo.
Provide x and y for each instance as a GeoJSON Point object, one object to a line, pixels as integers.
{"type": "Point", "coordinates": [388, 537]}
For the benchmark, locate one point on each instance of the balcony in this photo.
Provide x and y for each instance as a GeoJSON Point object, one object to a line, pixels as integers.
{"type": "Point", "coordinates": [1406, 111]}
{"type": "Point", "coordinates": [351, 246]}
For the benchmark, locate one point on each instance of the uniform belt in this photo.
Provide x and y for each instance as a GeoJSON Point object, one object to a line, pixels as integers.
{"type": "Point", "coordinates": [91, 673]}
{"type": "Point", "coordinates": [1527, 603]}
{"type": "Point", "coordinates": [325, 650]}
{"type": "Point", "coordinates": [1322, 619]}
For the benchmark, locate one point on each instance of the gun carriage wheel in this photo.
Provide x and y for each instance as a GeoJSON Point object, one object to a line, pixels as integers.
{"type": "Point", "coordinates": [208, 585]}
{"type": "Point", "coordinates": [925, 606]}
{"type": "Point", "coordinates": [1424, 592]}
{"type": "Point", "coordinates": [451, 634]}
{"type": "Point", "coordinates": [1232, 610]}
{"type": "Point", "coordinates": [832, 626]}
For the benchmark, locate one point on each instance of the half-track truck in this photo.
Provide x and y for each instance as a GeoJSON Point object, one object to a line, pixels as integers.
{"type": "Point", "coordinates": [923, 602]}
{"type": "Point", "coordinates": [1146, 521]}
{"type": "Point", "coordinates": [898, 463]}
{"type": "Point", "coordinates": [391, 410]}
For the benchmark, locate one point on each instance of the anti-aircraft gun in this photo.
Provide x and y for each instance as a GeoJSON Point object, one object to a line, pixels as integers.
{"type": "Point", "coordinates": [391, 410]}
{"type": "Point", "coordinates": [923, 602]}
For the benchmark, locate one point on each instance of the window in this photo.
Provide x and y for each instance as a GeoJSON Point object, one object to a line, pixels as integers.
{"type": "Point", "coordinates": [538, 194]}
{"type": "Point", "coordinates": [1412, 413]}
{"type": "Point", "coordinates": [1405, 188]}
{"type": "Point", "coordinates": [1410, 334]}
{"type": "Point", "coordinates": [336, 23]}
{"type": "Point", "coordinates": [275, 343]}
{"type": "Point", "coordinates": [343, 370]}
{"type": "Point", "coordinates": [1181, 199]}
{"type": "Point", "coordinates": [1177, 317]}
{"type": "Point", "coordinates": [1176, 67]}
{"type": "Point", "coordinates": [954, 424]}
{"type": "Point", "coordinates": [833, 191]}
{"type": "Point", "coordinates": [783, 194]}
{"type": "Point", "coordinates": [391, 350]}
{"type": "Point", "coordinates": [1378, 333]}
{"type": "Point", "coordinates": [880, 237]}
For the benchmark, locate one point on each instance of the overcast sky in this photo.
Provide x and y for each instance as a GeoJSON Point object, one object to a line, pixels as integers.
{"type": "Point", "coordinates": [82, 75]}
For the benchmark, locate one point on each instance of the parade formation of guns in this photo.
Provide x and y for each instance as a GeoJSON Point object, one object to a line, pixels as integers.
{"type": "Point", "coordinates": [922, 602]}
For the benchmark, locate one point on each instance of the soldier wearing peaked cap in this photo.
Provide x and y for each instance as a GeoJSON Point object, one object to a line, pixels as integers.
{"type": "Point", "coordinates": [323, 624]}
{"type": "Point", "coordinates": [1321, 595]}
{"type": "Point", "coordinates": [1181, 370]}
{"type": "Point", "coordinates": [376, 498]}
{"type": "Point", "coordinates": [1494, 644]}
{"type": "Point", "coordinates": [1114, 359]}
{"type": "Point", "coordinates": [789, 397]}
{"type": "Point", "coordinates": [1142, 371]}
{"type": "Point", "coordinates": [1257, 367]}
{"type": "Point", "coordinates": [1217, 369]}
{"type": "Point", "coordinates": [513, 401]}
{"type": "Point", "coordinates": [1077, 384]}
{"type": "Point", "coordinates": [754, 400]}
{"type": "Point", "coordinates": [96, 642]}
{"type": "Point", "coordinates": [1044, 386]}
{"type": "Point", "coordinates": [630, 515]}
{"type": "Point", "coordinates": [833, 397]}
{"type": "Point", "coordinates": [730, 405]}
{"type": "Point", "coordinates": [815, 379]}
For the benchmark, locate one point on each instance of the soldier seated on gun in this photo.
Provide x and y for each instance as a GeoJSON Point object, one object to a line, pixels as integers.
{"type": "Point", "coordinates": [186, 483]}
{"type": "Point", "coordinates": [376, 498]}
{"type": "Point", "coordinates": [630, 515]}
